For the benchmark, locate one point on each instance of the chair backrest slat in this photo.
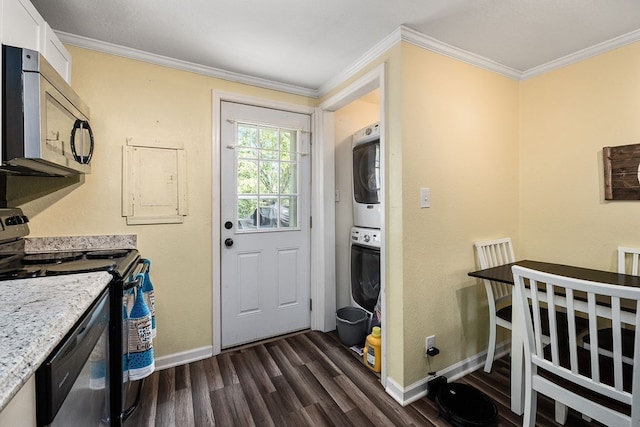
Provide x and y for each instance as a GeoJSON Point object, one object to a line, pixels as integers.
{"type": "Point", "coordinates": [551, 313]}
{"type": "Point", "coordinates": [573, 339]}
{"type": "Point", "coordinates": [537, 321]}
{"type": "Point", "coordinates": [616, 328]}
{"type": "Point", "coordinates": [593, 333]}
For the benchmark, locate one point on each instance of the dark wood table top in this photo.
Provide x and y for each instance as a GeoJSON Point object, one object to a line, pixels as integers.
{"type": "Point", "coordinates": [502, 273]}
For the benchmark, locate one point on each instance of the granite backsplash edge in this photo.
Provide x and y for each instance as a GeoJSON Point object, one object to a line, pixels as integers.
{"type": "Point", "coordinates": [75, 243]}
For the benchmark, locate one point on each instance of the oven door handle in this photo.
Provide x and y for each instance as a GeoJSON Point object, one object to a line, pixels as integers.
{"type": "Point", "coordinates": [135, 279]}
{"type": "Point", "coordinates": [132, 283]}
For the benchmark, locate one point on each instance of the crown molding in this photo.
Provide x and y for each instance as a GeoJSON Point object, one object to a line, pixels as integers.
{"type": "Point", "coordinates": [414, 37]}
{"type": "Point", "coordinates": [362, 62]}
{"type": "Point", "coordinates": [580, 55]}
{"type": "Point", "coordinates": [402, 33]}
{"type": "Point", "coordinates": [110, 48]}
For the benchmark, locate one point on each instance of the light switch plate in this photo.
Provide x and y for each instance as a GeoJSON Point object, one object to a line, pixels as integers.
{"type": "Point", "coordinates": [425, 198]}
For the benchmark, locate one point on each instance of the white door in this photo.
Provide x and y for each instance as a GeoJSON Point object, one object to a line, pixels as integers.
{"type": "Point", "coordinates": [265, 222]}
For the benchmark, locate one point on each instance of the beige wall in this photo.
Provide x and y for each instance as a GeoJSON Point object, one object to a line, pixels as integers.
{"type": "Point", "coordinates": [567, 116]}
{"type": "Point", "coordinates": [132, 99]}
{"type": "Point", "coordinates": [460, 139]}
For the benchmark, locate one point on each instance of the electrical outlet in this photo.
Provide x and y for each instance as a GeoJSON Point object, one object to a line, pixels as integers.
{"type": "Point", "coordinates": [430, 342]}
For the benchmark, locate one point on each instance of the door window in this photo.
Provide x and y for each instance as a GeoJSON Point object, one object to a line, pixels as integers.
{"type": "Point", "coordinates": [267, 161]}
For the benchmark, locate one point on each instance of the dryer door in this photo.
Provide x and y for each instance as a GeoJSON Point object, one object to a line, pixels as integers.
{"type": "Point", "coordinates": [366, 172]}
{"type": "Point", "coordinates": [365, 276]}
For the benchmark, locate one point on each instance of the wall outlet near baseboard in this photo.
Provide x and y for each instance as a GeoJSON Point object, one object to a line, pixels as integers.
{"type": "Point", "coordinates": [430, 342]}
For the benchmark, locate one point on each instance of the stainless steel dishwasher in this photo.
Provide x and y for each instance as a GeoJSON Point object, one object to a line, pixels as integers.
{"type": "Point", "coordinates": [72, 385]}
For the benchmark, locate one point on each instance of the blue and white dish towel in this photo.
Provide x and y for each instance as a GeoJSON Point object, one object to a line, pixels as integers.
{"type": "Point", "coordinates": [149, 296]}
{"type": "Point", "coordinates": [140, 361]}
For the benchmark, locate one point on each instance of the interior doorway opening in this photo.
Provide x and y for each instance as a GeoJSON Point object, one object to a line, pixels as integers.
{"type": "Point", "coordinates": [358, 105]}
{"type": "Point", "coordinates": [359, 113]}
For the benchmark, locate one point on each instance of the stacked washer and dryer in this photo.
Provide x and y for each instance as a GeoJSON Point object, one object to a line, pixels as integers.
{"type": "Point", "coordinates": [367, 220]}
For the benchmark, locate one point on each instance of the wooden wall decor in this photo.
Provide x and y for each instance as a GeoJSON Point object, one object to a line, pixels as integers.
{"type": "Point", "coordinates": [621, 172]}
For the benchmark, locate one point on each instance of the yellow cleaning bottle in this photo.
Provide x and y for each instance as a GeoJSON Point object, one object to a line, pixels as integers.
{"type": "Point", "coordinates": [372, 355]}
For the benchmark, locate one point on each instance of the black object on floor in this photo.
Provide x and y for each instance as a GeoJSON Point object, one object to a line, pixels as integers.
{"type": "Point", "coordinates": [465, 406]}
{"type": "Point", "coordinates": [433, 385]}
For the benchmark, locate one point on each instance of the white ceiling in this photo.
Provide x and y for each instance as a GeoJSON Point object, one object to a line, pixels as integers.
{"type": "Point", "coordinates": [306, 43]}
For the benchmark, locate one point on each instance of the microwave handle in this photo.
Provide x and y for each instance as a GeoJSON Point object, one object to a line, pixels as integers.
{"type": "Point", "coordinates": [81, 124]}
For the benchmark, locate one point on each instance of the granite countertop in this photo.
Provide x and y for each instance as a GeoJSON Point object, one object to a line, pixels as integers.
{"type": "Point", "coordinates": [35, 314]}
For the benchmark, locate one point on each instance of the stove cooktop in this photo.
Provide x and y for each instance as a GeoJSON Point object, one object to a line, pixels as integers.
{"type": "Point", "coordinates": [22, 266]}
{"type": "Point", "coordinates": [16, 264]}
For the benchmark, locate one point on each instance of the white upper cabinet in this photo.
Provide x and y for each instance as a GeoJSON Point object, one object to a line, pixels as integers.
{"type": "Point", "coordinates": [23, 26]}
{"type": "Point", "coordinates": [55, 52]}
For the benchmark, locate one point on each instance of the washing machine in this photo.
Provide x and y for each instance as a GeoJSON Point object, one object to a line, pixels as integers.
{"type": "Point", "coordinates": [366, 177]}
{"type": "Point", "coordinates": [365, 268]}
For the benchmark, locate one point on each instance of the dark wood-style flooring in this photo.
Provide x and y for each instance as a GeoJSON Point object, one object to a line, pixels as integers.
{"type": "Point", "coordinates": [306, 379]}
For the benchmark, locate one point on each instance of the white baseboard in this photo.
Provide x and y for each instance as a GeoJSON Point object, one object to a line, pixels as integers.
{"type": "Point", "coordinates": [418, 390]}
{"type": "Point", "coordinates": [184, 357]}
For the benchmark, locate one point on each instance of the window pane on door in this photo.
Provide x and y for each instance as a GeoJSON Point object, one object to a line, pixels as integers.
{"type": "Point", "coordinates": [288, 145]}
{"type": "Point", "coordinates": [289, 212]}
{"type": "Point", "coordinates": [267, 178]}
{"type": "Point", "coordinates": [289, 178]}
{"type": "Point", "coordinates": [268, 212]}
{"type": "Point", "coordinates": [247, 177]}
{"type": "Point", "coordinates": [247, 206]}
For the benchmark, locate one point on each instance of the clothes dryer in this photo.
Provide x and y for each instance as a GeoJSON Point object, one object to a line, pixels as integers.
{"type": "Point", "coordinates": [367, 181]}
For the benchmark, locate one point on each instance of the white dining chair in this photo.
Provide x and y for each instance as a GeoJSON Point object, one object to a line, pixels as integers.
{"type": "Point", "coordinates": [602, 388]}
{"type": "Point", "coordinates": [628, 263]}
{"type": "Point", "coordinates": [492, 253]}
{"type": "Point", "coordinates": [628, 260]}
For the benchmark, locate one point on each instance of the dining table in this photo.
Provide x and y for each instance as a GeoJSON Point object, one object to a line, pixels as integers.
{"type": "Point", "coordinates": [503, 274]}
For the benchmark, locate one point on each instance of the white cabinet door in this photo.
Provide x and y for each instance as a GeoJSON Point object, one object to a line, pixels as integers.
{"type": "Point", "coordinates": [21, 409]}
{"type": "Point", "coordinates": [55, 53]}
{"type": "Point", "coordinates": [22, 25]}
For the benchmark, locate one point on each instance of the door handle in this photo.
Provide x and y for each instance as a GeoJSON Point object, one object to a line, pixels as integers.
{"type": "Point", "coordinates": [228, 242]}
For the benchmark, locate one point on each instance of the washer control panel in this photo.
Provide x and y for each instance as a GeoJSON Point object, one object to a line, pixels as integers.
{"type": "Point", "coordinates": [365, 236]}
{"type": "Point", "coordinates": [366, 134]}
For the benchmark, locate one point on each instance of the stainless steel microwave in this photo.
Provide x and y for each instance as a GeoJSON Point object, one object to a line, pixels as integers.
{"type": "Point", "coordinates": [45, 125]}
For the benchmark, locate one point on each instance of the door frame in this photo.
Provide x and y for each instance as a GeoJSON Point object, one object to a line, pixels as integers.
{"type": "Point", "coordinates": [318, 244]}
{"type": "Point", "coordinates": [374, 79]}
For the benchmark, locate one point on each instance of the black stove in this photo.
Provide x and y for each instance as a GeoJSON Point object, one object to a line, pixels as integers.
{"type": "Point", "coordinates": [125, 266]}
{"type": "Point", "coordinates": [15, 263]}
